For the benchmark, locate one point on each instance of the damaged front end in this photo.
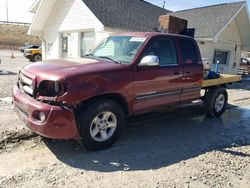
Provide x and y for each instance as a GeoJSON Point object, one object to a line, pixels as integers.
{"type": "Point", "coordinates": [37, 104]}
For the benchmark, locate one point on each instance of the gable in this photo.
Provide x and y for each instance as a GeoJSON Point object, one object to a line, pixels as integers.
{"type": "Point", "coordinates": [70, 15]}
{"type": "Point", "coordinates": [62, 15]}
{"type": "Point", "coordinates": [209, 21]}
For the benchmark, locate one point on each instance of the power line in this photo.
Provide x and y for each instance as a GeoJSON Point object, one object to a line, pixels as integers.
{"type": "Point", "coordinates": [7, 11]}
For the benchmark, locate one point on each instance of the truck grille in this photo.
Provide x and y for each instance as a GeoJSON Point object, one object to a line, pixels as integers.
{"type": "Point", "coordinates": [25, 84]}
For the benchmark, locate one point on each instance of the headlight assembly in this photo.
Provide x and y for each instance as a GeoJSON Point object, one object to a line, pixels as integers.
{"type": "Point", "coordinates": [51, 88]}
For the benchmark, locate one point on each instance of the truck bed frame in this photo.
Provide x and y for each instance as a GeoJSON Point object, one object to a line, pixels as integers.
{"type": "Point", "coordinates": [224, 79]}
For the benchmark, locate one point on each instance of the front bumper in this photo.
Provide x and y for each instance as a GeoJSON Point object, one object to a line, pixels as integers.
{"type": "Point", "coordinates": [59, 123]}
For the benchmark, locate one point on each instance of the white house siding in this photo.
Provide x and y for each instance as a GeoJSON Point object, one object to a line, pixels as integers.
{"type": "Point", "coordinates": [101, 35]}
{"type": "Point", "coordinates": [73, 43]}
{"type": "Point", "coordinates": [227, 41]}
{"type": "Point", "coordinates": [71, 17]}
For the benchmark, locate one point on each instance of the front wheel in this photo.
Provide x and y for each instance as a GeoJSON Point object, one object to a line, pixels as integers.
{"type": "Point", "coordinates": [215, 102]}
{"type": "Point", "coordinates": [37, 57]}
{"type": "Point", "coordinates": [100, 124]}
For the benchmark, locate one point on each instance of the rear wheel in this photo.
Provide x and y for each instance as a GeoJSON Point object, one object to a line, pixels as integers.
{"type": "Point", "coordinates": [100, 124]}
{"type": "Point", "coordinates": [37, 57]}
{"type": "Point", "coordinates": [215, 102]}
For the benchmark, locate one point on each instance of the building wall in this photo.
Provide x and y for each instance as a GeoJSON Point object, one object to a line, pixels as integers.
{"type": "Point", "coordinates": [70, 17]}
{"type": "Point", "coordinates": [227, 41]}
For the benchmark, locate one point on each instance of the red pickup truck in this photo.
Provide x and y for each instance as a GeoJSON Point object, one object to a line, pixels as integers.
{"type": "Point", "coordinates": [88, 98]}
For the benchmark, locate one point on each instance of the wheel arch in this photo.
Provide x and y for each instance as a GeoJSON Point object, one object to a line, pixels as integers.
{"type": "Point", "coordinates": [118, 98]}
{"type": "Point", "coordinates": [37, 54]}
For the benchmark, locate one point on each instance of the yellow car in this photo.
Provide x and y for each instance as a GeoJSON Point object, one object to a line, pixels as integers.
{"type": "Point", "coordinates": [33, 54]}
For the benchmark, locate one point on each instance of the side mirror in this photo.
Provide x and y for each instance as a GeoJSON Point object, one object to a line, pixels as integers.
{"type": "Point", "coordinates": [150, 61]}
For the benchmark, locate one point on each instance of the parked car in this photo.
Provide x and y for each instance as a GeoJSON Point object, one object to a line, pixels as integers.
{"type": "Point", "coordinates": [87, 99]}
{"type": "Point", "coordinates": [33, 54]}
{"type": "Point", "coordinates": [244, 66]}
{"type": "Point", "coordinates": [29, 47]}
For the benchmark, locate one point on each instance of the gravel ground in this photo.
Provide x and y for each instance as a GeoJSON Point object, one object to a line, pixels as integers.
{"type": "Point", "coordinates": [9, 69]}
{"type": "Point", "coordinates": [170, 148]}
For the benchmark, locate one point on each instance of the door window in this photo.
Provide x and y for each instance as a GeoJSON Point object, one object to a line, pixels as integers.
{"type": "Point", "coordinates": [64, 45]}
{"type": "Point", "coordinates": [189, 51]}
{"type": "Point", "coordinates": [87, 42]}
{"type": "Point", "coordinates": [164, 49]}
{"type": "Point", "coordinates": [245, 61]}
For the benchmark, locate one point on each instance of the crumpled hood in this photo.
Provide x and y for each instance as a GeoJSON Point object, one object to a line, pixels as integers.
{"type": "Point", "coordinates": [61, 68]}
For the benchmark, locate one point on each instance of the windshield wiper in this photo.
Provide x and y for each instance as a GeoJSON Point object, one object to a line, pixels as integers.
{"type": "Point", "coordinates": [88, 55]}
{"type": "Point", "coordinates": [106, 57]}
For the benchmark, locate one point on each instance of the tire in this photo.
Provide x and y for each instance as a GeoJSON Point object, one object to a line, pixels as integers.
{"type": "Point", "coordinates": [92, 125]}
{"type": "Point", "coordinates": [215, 102]}
{"type": "Point", "coordinates": [37, 57]}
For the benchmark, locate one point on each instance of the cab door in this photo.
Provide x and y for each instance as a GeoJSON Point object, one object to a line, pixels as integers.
{"type": "Point", "coordinates": [192, 69]}
{"type": "Point", "coordinates": [158, 85]}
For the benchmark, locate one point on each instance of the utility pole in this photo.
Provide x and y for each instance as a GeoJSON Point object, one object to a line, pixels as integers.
{"type": "Point", "coordinates": [7, 11]}
{"type": "Point", "coordinates": [163, 6]}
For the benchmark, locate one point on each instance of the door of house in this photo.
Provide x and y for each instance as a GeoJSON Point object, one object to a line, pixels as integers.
{"type": "Point", "coordinates": [64, 46]}
{"type": "Point", "coordinates": [87, 42]}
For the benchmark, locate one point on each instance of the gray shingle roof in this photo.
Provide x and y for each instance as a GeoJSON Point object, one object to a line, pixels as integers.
{"type": "Point", "coordinates": [135, 15]}
{"type": "Point", "coordinates": [208, 21]}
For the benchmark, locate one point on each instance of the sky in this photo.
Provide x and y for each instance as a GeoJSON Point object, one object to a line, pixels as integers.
{"type": "Point", "coordinates": [175, 5]}
{"type": "Point", "coordinates": [18, 9]}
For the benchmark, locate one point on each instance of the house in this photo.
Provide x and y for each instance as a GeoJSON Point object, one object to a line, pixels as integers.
{"type": "Point", "coordinates": [70, 28]}
{"type": "Point", "coordinates": [222, 32]}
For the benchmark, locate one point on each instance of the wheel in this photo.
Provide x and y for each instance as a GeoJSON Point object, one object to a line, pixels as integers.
{"type": "Point", "coordinates": [37, 57]}
{"type": "Point", "coordinates": [100, 124]}
{"type": "Point", "coordinates": [215, 102]}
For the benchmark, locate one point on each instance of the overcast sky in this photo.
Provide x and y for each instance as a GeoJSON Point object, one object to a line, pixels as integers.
{"type": "Point", "coordinates": [18, 9]}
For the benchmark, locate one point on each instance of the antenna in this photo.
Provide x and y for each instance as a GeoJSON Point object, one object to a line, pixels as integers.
{"type": "Point", "coordinates": [7, 11]}
{"type": "Point", "coordinates": [163, 5]}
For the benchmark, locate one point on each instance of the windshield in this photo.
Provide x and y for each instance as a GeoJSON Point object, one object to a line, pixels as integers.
{"type": "Point", "coordinates": [119, 49]}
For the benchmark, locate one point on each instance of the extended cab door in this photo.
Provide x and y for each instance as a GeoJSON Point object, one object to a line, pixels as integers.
{"type": "Point", "coordinates": [192, 69]}
{"type": "Point", "coordinates": [158, 85]}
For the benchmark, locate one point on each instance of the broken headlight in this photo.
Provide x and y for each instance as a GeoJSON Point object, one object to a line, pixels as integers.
{"type": "Point", "coordinates": [51, 88]}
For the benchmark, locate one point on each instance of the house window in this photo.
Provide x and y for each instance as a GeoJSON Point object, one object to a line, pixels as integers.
{"type": "Point", "coordinates": [64, 45]}
{"type": "Point", "coordinates": [87, 42]}
{"type": "Point", "coordinates": [221, 56]}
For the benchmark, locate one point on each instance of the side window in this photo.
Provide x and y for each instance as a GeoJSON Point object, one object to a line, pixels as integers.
{"type": "Point", "coordinates": [189, 51]}
{"type": "Point", "coordinates": [245, 61]}
{"type": "Point", "coordinates": [164, 49]}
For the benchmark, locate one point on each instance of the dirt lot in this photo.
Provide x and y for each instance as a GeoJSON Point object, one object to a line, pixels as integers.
{"type": "Point", "coordinates": [176, 147]}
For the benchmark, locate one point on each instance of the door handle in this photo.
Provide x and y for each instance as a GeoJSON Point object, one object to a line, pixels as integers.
{"type": "Point", "coordinates": [176, 72]}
